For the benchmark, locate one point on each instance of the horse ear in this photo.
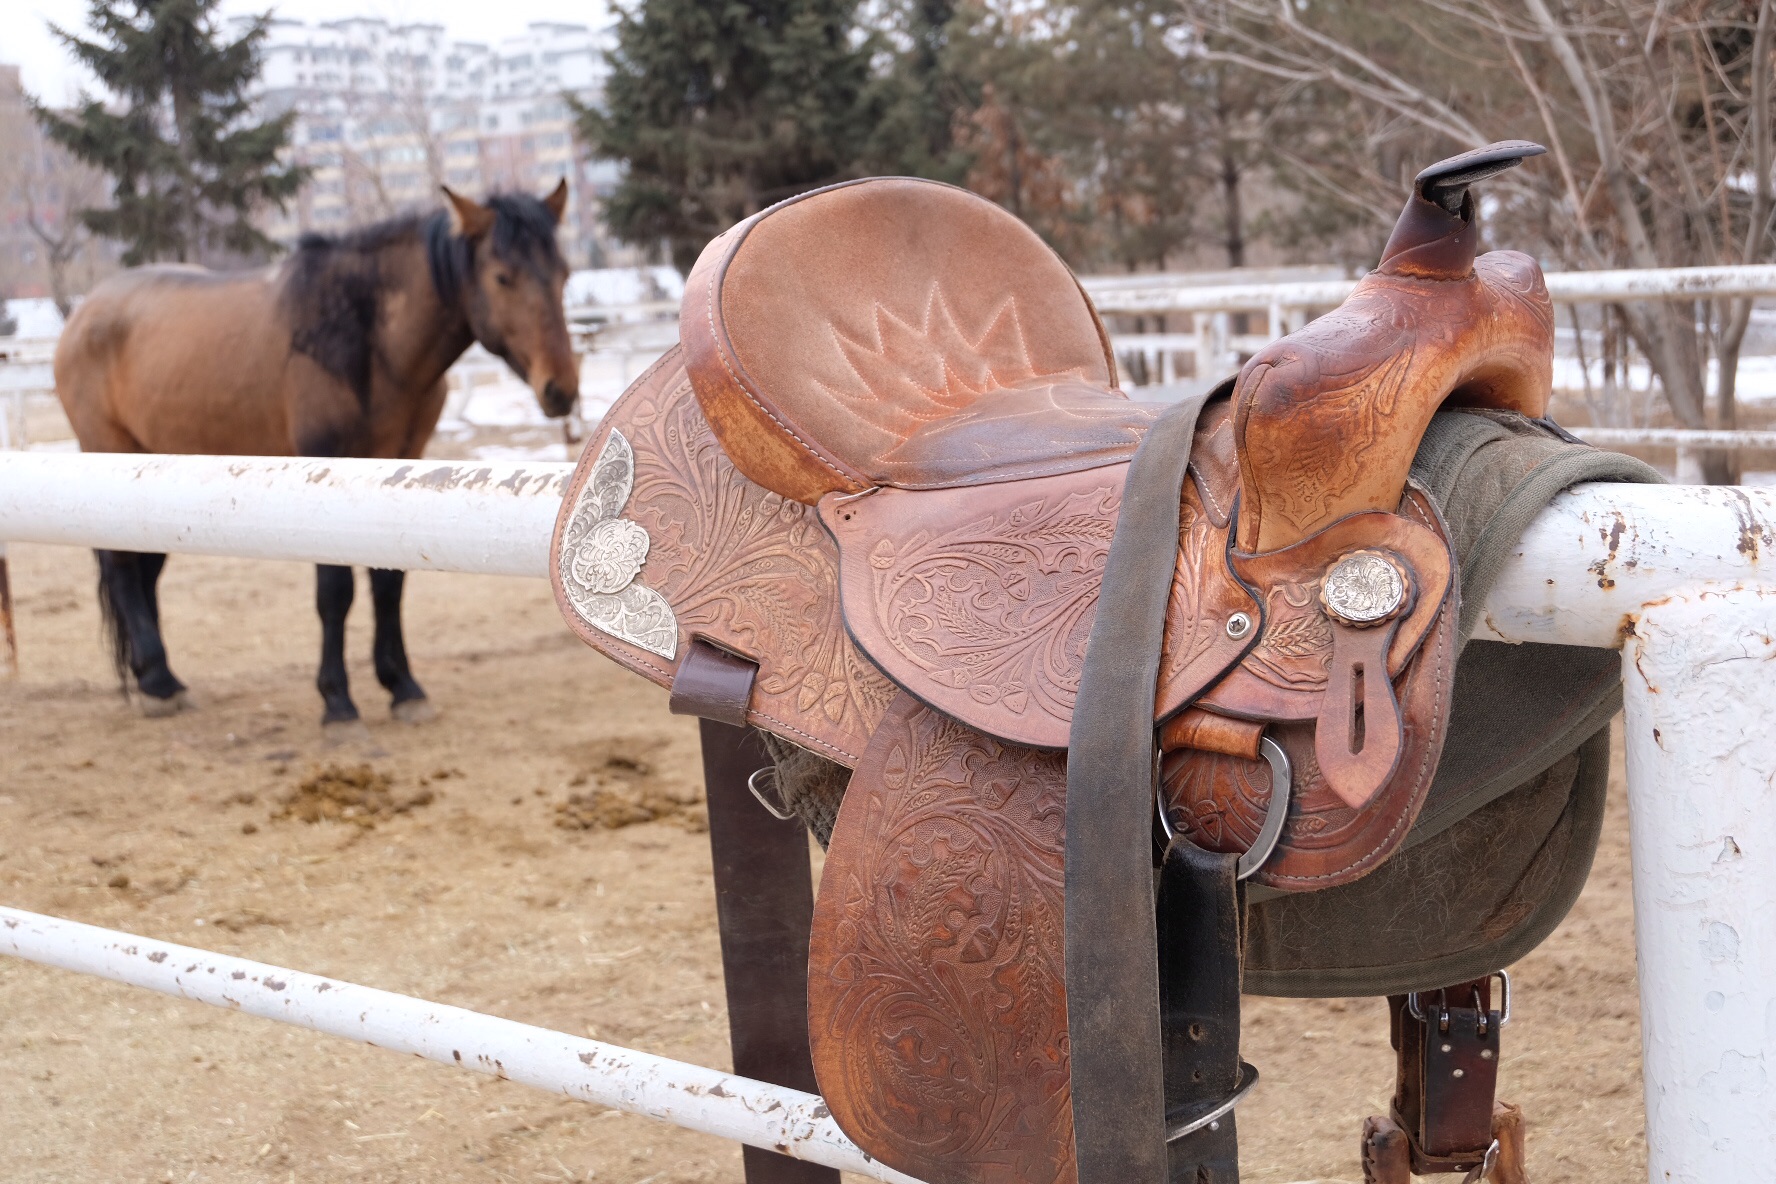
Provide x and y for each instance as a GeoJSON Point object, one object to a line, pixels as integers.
{"type": "Point", "coordinates": [468, 217]}
{"type": "Point", "coordinates": [557, 201]}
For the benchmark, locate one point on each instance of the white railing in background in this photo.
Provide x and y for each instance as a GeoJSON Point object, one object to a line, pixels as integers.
{"type": "Point", "coordinates": [1280, 308]}
{"type": "Point", "coordinates": [1682, 580]}
{"type": "Point", "coordinates": [1688, 443]}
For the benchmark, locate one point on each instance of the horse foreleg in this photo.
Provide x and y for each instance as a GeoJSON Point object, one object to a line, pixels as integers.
{"type": "Point", "coordinates": [333, 600]}
{"type": "Point", "coordinates": [131, 609]}
{"type": "Point", "coordinates": [409, 703]}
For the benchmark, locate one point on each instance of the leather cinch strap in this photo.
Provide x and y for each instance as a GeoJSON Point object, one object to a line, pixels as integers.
{"type": "Point", "coordinates": [1112, 971]}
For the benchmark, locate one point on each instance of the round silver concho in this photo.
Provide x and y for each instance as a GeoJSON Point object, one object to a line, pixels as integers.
{"type": "Point", "coordinates": [1363, 588]}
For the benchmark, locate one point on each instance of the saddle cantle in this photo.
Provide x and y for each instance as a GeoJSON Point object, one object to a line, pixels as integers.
{"type": "Point", "coordinates": [888, 465]}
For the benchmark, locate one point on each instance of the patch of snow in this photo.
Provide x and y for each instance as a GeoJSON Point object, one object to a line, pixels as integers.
{"type": "Point", "coordinates": [37, 317]}
{"type": "Point", "coordinates": [1756, 377]}
{"type": "Point", "coordinates": [611, 286]}
{"type": "Point", "coordinates": [555, 451]}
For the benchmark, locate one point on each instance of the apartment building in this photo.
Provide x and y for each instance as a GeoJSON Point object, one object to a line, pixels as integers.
{"type": "Point", "coordinates": [386, 113]}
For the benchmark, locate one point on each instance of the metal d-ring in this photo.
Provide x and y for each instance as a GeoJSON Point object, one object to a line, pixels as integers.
{"type": "Point", "coordinates": [1177, 1128]}
{"type": "Point", "coordinates": [1276, 813]}
{"type": "Point", "coordinates": [1281, 781]}
{"type": "Point", "coordinates": [779, 812]}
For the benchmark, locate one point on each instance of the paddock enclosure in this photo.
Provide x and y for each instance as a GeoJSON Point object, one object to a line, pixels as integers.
{"type": "Point", "coordinates": [538, 853]}
{"type": "Point", "coordinates": [480, 900]}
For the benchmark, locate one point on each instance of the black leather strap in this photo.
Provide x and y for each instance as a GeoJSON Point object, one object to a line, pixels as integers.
{"type": "Point", "coordinates": [1119, 1129]}
{"type": "Point", "coordinates": [1199, 992]}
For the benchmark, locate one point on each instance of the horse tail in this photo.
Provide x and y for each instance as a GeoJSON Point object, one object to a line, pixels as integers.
{"type": "Point", "coordinates": [116, 637]}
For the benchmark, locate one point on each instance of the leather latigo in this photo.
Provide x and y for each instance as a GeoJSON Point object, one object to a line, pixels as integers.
{"type": "Point", "coordinates": [746, 568]}
{"type": "Point", "coordinates": [936, 1002]}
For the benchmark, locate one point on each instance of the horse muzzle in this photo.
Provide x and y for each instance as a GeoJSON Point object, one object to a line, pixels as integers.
{"type": "Point", "coordinates": [555, 400]}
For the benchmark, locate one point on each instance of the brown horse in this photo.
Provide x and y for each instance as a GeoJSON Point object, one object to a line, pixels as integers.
{"type": "Point", "coordinates": [338, 351]}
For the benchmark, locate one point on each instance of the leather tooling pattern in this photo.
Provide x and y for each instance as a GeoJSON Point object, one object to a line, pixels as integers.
{"type": "Point", "coordinates": [987, 609]}
{"type": "Point", "coordinates": [1219, 800]}
{"type": "Point", "coordinates": [937, 1005]}
{"type": "Point", "coordinates": [1001, 606]}
{"type": "Point", "coordinates": [602, 554]}
{"type": "Point", "coordinates": [1294, 648]}
{"type": "Point", "coordinates": [1352, 416]}
{"type": "Point", "coordinates": [750, 570]}
{"type": "Point", "coordinates": [932, 362]}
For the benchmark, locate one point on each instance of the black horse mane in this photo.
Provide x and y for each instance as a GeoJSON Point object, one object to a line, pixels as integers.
{"type": "Point", "coordinates": [335, 284]}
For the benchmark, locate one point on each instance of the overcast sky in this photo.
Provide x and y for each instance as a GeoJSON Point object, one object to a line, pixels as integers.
{"type": "Point", "coordinates": [52, 75]}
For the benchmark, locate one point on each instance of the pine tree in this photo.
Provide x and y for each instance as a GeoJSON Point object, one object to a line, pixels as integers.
{"type": "Point", "coordinates": [718, 109]}
{"type": "Point", "coordinates": [921, 93]}
{"type": "Point", "coordinates": [188, 165]}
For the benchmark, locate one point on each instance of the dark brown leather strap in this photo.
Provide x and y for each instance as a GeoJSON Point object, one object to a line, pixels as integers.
{"type": "Point", "coordinates": [1448, 1073]}
{"type": "Point", "coordinates": [1113, 1027]}
{"type": "Point", "coordinates": [764, 903]}
{"type": "Point", "coordinates": [713, 684]}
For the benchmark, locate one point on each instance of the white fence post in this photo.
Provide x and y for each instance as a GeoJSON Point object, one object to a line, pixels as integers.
{"type": "Point", "coordinates": [1700, 723]}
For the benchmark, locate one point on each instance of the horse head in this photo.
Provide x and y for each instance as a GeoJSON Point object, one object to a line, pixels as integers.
{"type": "Point", "coordinates": [512, 285]}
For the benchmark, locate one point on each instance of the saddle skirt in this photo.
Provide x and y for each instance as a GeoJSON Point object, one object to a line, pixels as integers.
{"type": "Point", "coordinates": [885, 465]}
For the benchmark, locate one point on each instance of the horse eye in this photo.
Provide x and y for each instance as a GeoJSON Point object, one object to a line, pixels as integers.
{"type": "Point", "coordinates": [505, 281]}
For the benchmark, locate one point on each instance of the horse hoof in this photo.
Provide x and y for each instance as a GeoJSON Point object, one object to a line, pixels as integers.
{"type": "Point", "coordinates": [339, 732]}
{"type": "Point", "coordinates": [173, 704]}
{"type": "Point", "coordinates": [414, 711]}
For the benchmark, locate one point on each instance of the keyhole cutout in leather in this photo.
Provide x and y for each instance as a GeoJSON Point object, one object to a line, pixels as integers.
{"type": "Point", "coordinates": [1357, 738]}
{"type": "Point", "coordinates": [1356, 728]}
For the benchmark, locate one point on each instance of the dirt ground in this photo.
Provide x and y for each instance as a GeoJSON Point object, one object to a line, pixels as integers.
{"type": "Point", "coordinates": [441, 872]}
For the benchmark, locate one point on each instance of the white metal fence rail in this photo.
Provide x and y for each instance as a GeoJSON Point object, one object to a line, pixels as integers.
{"type": "Point", "coordinates": [1681, 579]}
{"type": "Point", "coordinates": [690, 1096]}
{"type": "Point", "coordinates": [1287, 306]}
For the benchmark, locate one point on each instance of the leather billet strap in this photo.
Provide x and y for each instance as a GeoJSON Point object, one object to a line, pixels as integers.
{"type": "Point", "coordinates": [1447, 1043]}
{"type": "Point", "coordinates": [1201, 911]}
{"type": "Point", "coordinates": [1112, 974]}
{"type": "Point", "coordinates": [764, 902]}
{"type": "Point", "coordinates": [764, 896]}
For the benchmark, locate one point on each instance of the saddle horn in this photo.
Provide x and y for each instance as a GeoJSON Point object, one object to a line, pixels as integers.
{"type": "Point", "coordinates": [1435, 237]}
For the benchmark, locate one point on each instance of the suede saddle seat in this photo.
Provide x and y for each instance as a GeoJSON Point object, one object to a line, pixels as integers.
{"type": "Point", "coordinates": [885, 466]}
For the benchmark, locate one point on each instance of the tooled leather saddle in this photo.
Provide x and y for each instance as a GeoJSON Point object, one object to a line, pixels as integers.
{"type": "Point", "coordinates": [889, 476]}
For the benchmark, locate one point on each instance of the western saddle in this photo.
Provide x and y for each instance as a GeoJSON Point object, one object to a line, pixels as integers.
{"type": "Point", "coordinates": [1096, 664]}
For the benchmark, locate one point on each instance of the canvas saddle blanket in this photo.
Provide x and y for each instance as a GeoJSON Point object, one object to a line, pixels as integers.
{"type": "Point", "coordinates": [888, 474]}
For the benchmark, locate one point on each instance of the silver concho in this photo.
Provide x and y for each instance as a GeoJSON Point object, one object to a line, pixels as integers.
{"type": "Point", "coordinates": [1363, 588]}
{"type": "Point", "coordinates": [602, 556]}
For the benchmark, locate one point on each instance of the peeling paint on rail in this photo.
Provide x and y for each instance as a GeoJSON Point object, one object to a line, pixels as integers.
{"type": "Point", "coordinates": [495, 517]}
{"type": "Point", "coordinates": [1587, 565]}
{"type": "Point", "coordinates": [723, 1104]}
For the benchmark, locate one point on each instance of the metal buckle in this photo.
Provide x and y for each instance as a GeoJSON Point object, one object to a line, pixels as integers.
{"type": "Point", "coordinates": [1504, 1009]}
{"type": "Point", "coordinates": [1486, 1164]}
{"type": "Point", "coordinates": [1282, 780]}
{"type": "Point", "coordinates": [781, 813]}
{"type": "Point", "coordinates": [1177, 1128]}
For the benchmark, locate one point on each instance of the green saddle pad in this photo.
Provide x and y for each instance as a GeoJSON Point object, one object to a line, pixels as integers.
{"type": "Point", "coordinates": [1510, 825]}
